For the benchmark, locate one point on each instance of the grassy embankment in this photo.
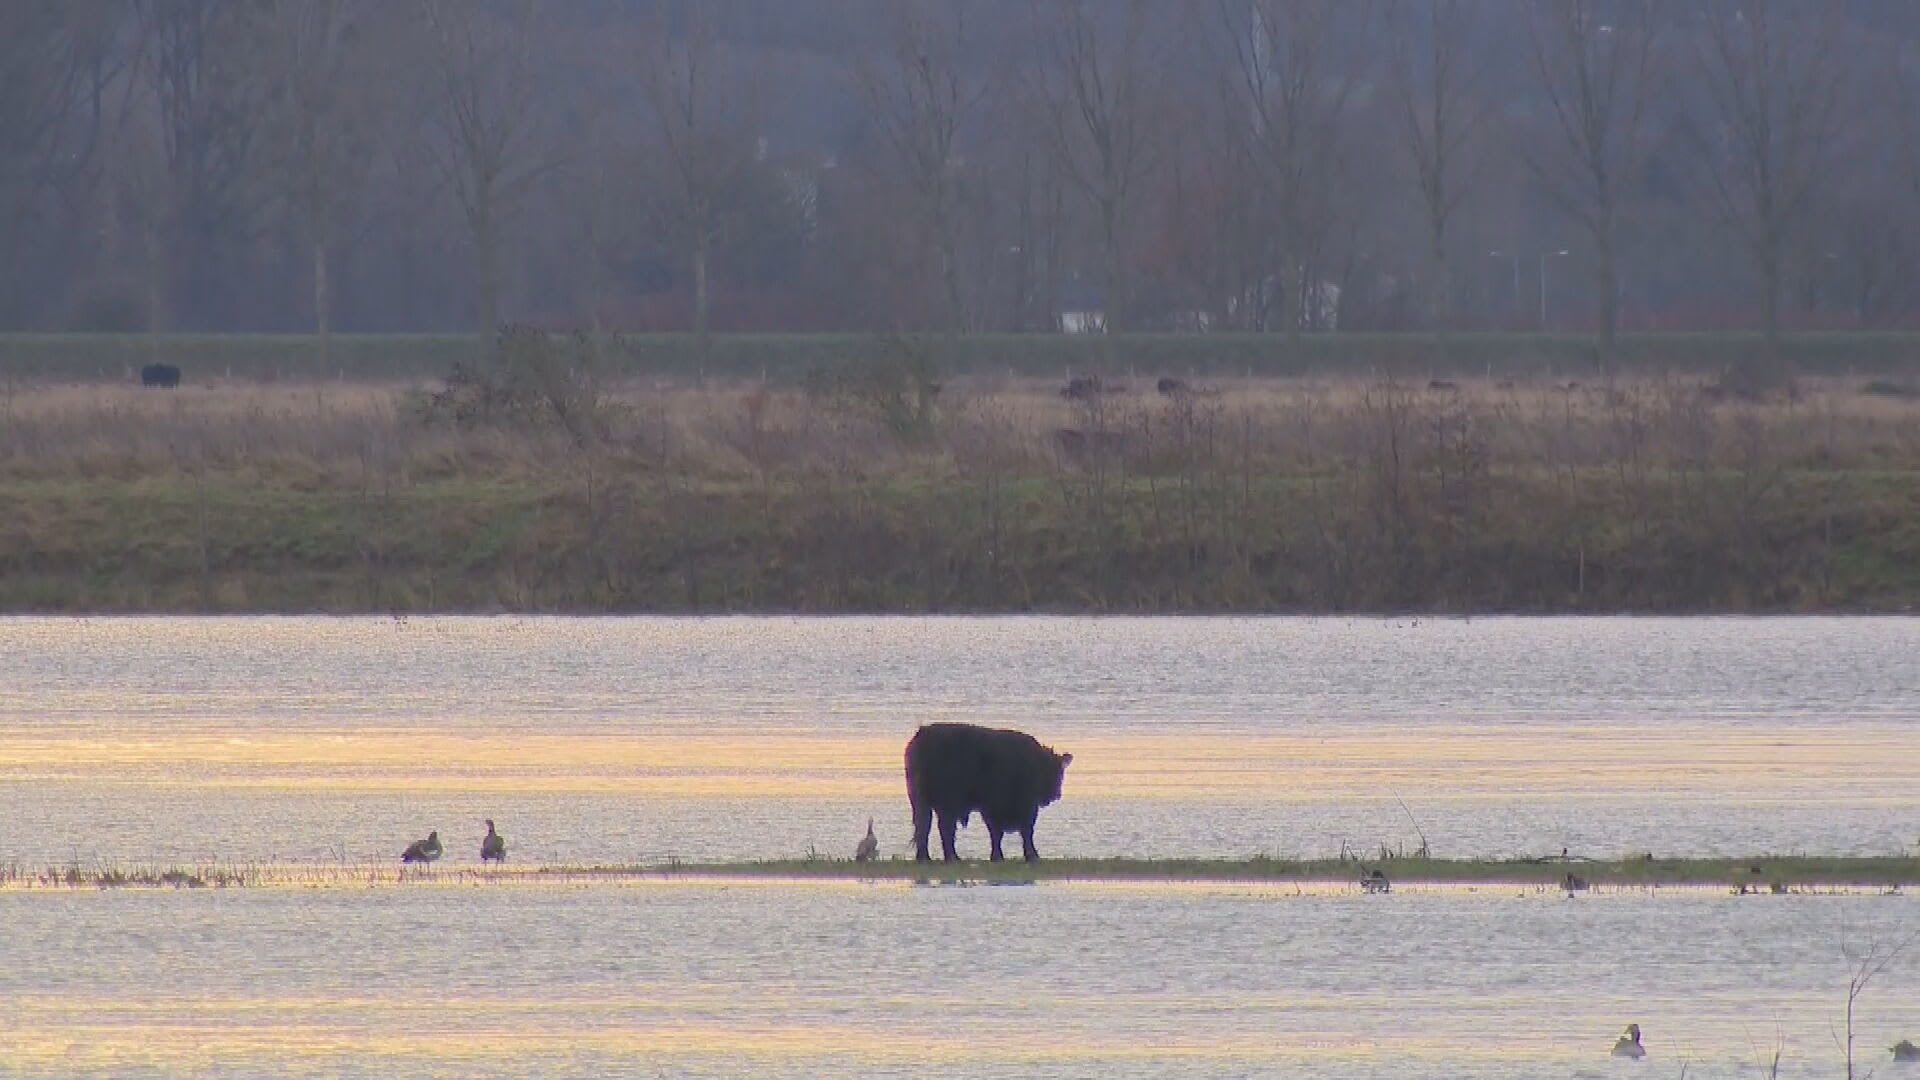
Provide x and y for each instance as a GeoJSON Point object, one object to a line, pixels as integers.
{"type": "Point", "coordinates": [1315, 495]}
{"type": "Point", "coordinates": [1491, 355]}
{"type": "Point", "coordinates": [1754, 874]}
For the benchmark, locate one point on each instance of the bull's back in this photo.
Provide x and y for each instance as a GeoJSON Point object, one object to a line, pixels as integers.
{"type": "Point", "coordinates": [940, 758]}
{"type": "Point", "coordinates": [952, 764]}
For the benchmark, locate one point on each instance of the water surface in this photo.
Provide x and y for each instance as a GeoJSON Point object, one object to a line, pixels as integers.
{"type": "Point", "coordinates": [608, 740]}
{"type": "Point", "coordinates": [154, 741]}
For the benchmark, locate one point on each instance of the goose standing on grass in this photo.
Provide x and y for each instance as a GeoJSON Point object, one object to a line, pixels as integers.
{"type": "Point", "coordinates": [493, 848]}
{"type": "Point", "coordinates": [423, 850]}
{"type": "Point", "coordinates": [869, 845]}
{"type": "Point", "coordinates": [1628, 1045]}
{"type": "Point", "coordinates": [1904, 1050]}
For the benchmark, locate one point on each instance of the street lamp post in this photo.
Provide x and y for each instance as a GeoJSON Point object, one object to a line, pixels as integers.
{"type": "Point", "coordinates": [1544, 256]}
{"type": "Point", "coordinates": [1515, 258]}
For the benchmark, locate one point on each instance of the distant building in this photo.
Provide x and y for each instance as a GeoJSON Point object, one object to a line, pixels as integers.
{"type": "Point", "coordinates": [1083, 308]}
{"type": "Point", "coordinates": [1258, 307]}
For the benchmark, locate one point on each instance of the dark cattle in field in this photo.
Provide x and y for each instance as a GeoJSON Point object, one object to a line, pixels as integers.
{"type": "Point", "coordinates": [1172, 387]}
{"type": "Point", "coordinates": [1081, 387]}
{"type": "Point", "coordinates": [1089, 387]}
{"type": "Point", "coordinates": [955, 770]}
{"type": "Point", "coordinates": [160, 375]}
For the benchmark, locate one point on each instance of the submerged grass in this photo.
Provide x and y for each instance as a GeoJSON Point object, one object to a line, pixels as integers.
{"type": "Point", "coordinates": [1760, 873]}
{"type": "Point", "coordinates": [1756, 873]}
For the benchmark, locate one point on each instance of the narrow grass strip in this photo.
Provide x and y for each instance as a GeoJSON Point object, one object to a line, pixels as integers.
{"type": "Point", "coordinates": [1749, 874]}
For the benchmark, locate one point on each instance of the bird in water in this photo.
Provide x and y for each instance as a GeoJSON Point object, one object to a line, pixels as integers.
{"type": "Point", "coordinates": [1375, 882]}
{"type": "Point", "coordinates": [1904, 1050]}
{"type": "Point", "coordinates": [1628, 1045]}
{"type": "Point", "coordinates": [423, 850]}
{"type": "Point", "coordinates": [494, 847]}
{"type": "Point", "coordinates": [869, 845]}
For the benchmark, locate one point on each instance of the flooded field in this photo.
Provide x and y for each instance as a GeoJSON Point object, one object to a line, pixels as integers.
{"type": "Point", "coordinates": [158, 741]}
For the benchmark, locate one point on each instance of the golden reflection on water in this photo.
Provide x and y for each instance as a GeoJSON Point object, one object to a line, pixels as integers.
{"type": "Point", "coordinates": [1456, 762]}
{"type": "Point", "coordinates": [288, 1032]}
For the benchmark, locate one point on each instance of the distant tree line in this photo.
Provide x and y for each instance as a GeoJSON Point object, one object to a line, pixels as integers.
{"type": "Point", "coordinates": [1284, 166]}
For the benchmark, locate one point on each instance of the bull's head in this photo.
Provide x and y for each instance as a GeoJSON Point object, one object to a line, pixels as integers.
{"type": "Point", "coordinates": [1060, 763]}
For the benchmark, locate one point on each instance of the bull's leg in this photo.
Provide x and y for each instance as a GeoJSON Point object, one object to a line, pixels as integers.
{"type": "Point", "coordinates": [947, 827]}
{"type": "Point", "coordinates": [922, 825]}
{"type": "Point", "coordinates": [1026, 840]}
{"type": "Point", "coordinates": [995, 830]}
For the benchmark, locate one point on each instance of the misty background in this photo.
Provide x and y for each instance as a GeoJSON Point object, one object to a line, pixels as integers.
{"type": "Point", "coordinates": [967, 165]}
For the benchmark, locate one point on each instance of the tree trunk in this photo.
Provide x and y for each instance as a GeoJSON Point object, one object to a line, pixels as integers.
{"type": "Point", "coordinates": [1442, 287]}
{"type": "Point", "coordinates": [487, 245]}
{"type": "Point", "coordinates": [1770, 301]}
{"type": "Point", "coordinates": [702, 337]}
{"type": "Point", "coordinates": [1113, 316]}
{"type": "Point", "coordinates": [950, 273]}
{"type": "Point", "coordinates": [156, 290]}
{"type": "Point", "coordinates": [322, 305]}
{"type": "Point", "coordinates": [1609, 308]}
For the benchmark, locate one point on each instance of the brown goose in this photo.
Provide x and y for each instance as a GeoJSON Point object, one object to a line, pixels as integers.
{"type": "Point", "coordinates": [1904, 1050]}
{"type": "Point", "coordinates": [423, 850]}
{"type": "Point", "coordinates": [493, 848]}
{"type": "Point", "coordinates": [1628, 1045]}
{"type": "Point", "coordinates": [869, 845]}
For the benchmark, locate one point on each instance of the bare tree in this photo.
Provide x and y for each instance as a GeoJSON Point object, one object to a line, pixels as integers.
{"type": "Point", "coordinates": [706, 128]}
{"type": "Point", "coordinates": [1443, 114]}
{"type": "Point", "coordinates": [1100, 82]}
{"type": "Point", "coordinates": [1296, 66]}
{"type": "Point", "coordinates": [57, 60]}
{"type": "Point", "coordinates": [204, 101]}
{"type": "Point", "coordinates": [321, 135]}
{"type": "Point", "coordinates": [489, 147]}
{"type": "Point", "coordinates": [920, 101]}
{"type": "Point", "coordinates": [43, 84]}
{"type": "Point", "coordinates": [1772, 78]}
{"type": "Point", "coordinates": [1597, 77]}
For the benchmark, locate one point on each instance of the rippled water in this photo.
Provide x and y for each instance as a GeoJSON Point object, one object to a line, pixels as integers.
{"type": "Point", "coordinates": [154, 741]}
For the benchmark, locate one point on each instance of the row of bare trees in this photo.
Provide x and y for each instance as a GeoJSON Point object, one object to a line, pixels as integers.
{"type": "Point", "coordinates": [966, 165]}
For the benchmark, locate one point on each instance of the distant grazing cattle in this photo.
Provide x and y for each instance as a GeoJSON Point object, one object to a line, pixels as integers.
{"type": "Point", "coordinates": [955, 770]}
{"type": "Point", "coordinates": [165, 375]}
{"type": "Point", "coordinates": [1082, 387]}
{"type": "Point", "coordinates": [1090, 387]}
{"type": "Point", "coordinates": [1173, 387]}
{"type": "Point", "coordinates": [1442, 384]}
